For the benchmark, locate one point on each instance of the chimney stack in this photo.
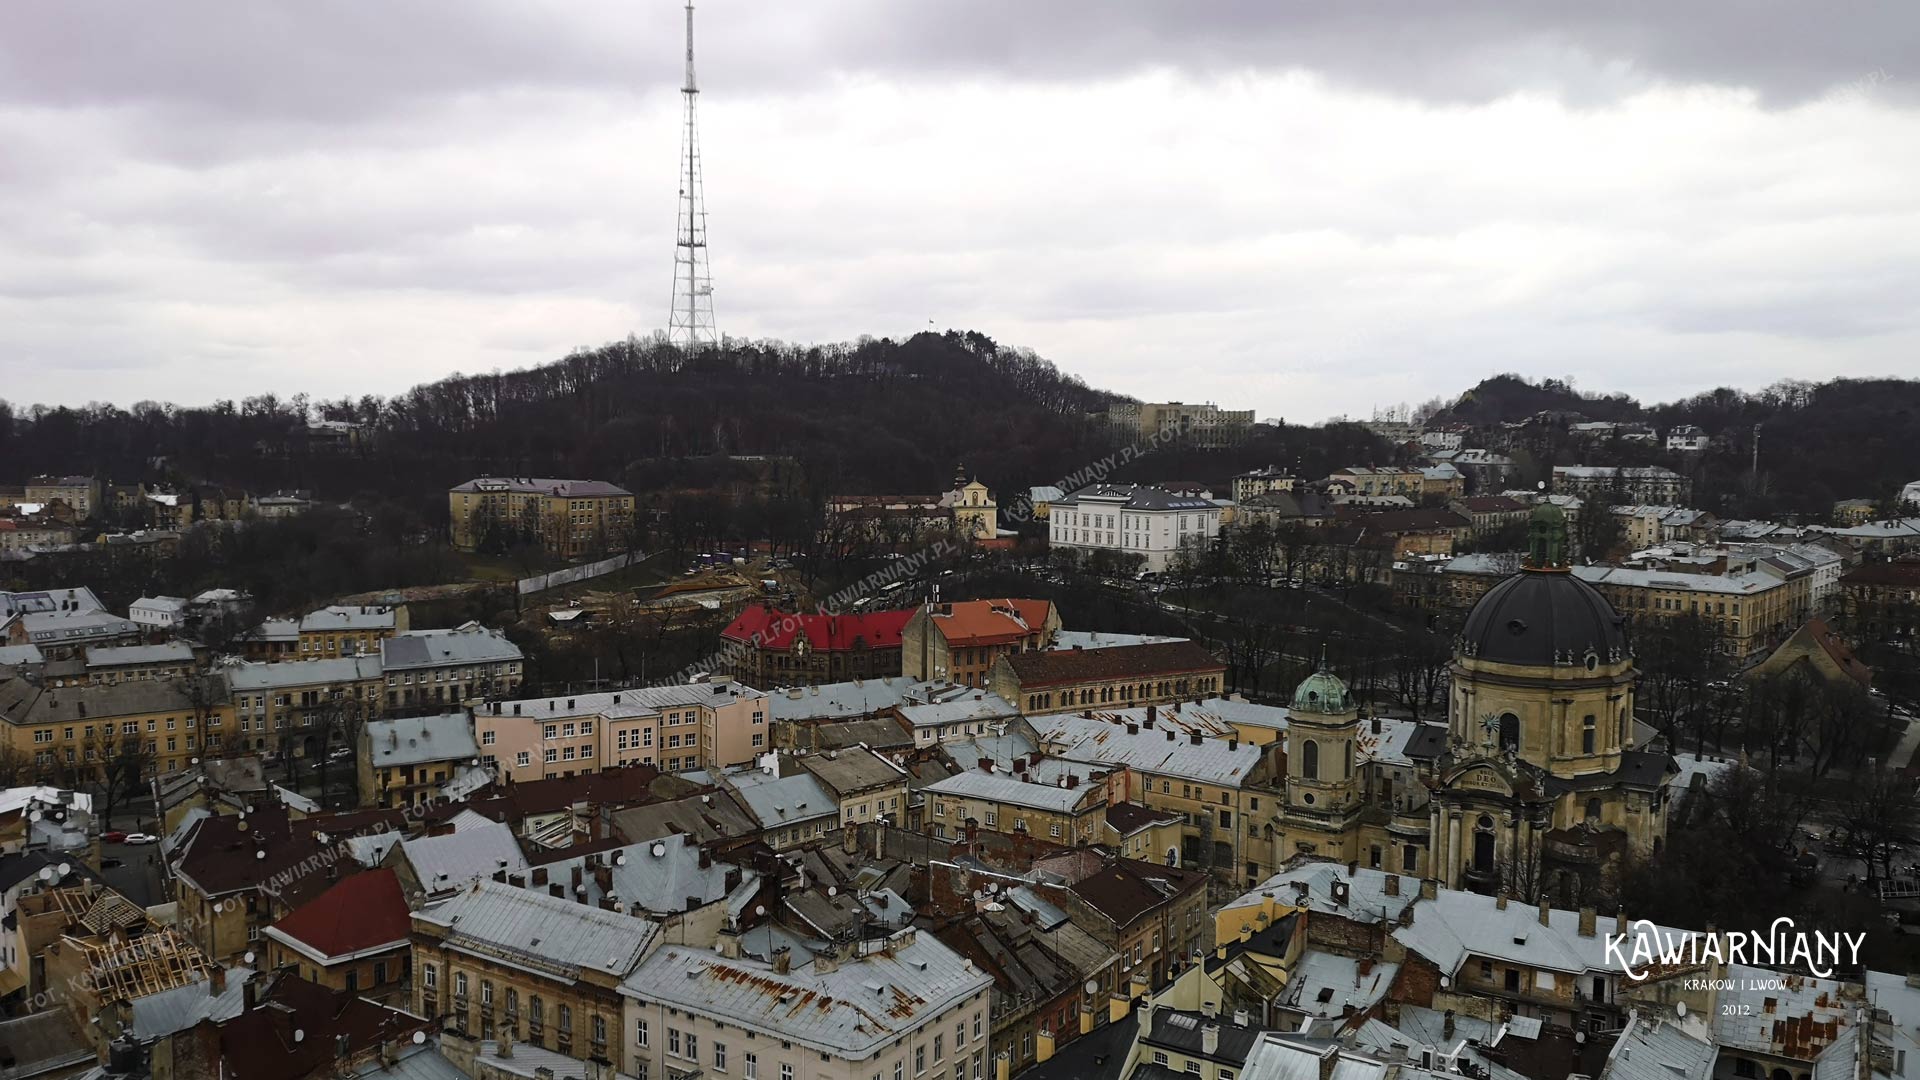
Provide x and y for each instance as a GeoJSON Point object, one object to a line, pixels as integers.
{"type": "Point", "coordinates": [1587, 922]}
{"type": "Point", "coordinates": [1545, 912]}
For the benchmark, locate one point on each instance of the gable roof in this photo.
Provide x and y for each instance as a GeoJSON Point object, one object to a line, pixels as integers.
{"type": "Point", "coordinates": [988, 622]}
{"type": "Point", "coordinates": [361, 914]}
{"type": "Point", "coordinates": [541, 931]}
{"type": "Point", "coordinates": [766, 628]}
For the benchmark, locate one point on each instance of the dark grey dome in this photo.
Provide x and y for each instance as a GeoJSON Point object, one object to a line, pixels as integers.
{"type": "Point", "coordinates": [1544, 617]}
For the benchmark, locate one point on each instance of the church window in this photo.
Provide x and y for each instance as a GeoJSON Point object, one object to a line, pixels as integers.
{"type": "Point", "coordinates": [1587, 734]}
{"type": "Point", "coordinates": [1310, 760]}
{"type": "Point", "coordinates": [1509, 731]}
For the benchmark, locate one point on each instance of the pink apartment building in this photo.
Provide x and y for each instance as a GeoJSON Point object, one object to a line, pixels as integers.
{"type": "Point", "coordinates": [705, 725]}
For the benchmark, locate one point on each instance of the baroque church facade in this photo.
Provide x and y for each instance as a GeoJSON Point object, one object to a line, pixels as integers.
{"type": "Point", "coordinates": [1534, 787]}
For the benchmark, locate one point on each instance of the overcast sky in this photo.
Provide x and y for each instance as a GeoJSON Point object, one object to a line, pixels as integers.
{"type": "Point", "coordinates": [1304, 208]}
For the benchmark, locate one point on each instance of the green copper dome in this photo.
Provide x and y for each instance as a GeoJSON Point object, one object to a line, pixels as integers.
{"type": "Point", "coordinates": [1321, 692]}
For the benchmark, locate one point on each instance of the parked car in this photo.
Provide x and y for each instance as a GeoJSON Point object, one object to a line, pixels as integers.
{"type": "Point", "coordinates": [114, 837]}
{"type": "Point", "coordinates": [142, 838]}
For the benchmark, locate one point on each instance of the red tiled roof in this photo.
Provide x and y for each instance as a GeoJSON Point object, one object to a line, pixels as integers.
{"type": "Point", "coordinates": [361, 912]}
{"type": "Point", "coordinates": [765, 628]}
{"type": "Point", "coordinates": [990, 622]}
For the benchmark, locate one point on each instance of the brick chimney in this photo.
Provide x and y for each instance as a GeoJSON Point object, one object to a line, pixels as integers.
{"type": "Point", "coordinates": [1545, 912]}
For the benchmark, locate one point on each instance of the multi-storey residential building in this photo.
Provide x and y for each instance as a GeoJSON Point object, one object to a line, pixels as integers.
{"type": "Point", "coordinates": [301, 706]}
{"type": "Point", "coordinates": [499, 961]}
{"type": "Point", "coordinates": [704, 725]}
{"type": "Point", "coordinates": [80, 492]}
{"type": "Point", "coordinates": [790, 806]}
{"type": "Point", "coordinates": [1369, 480]}
{"type": "Point", "coordinates": [904, 1005]}
{"type": "Point", "coordinates": [1062, 680]}
{"type": "Point", "coordinates": [356, 937]}
{"type": "Point", "coordinates": [1153, 915]}
{"type": "Point", "coordinates": [1260, 481]}
{"type": "Point", "coordinates": [1207, 426]}
{"type": "Point", "coordinates": [1753, 605]}
{"type": "Point", "coordinates": [23, 534]}
{"type": "Point", "coordinates": [62, 623]}
{"type": "Point", "coordinates": [409, 760]}
{"type": "Point", "coordinates": [1641, 484]}
{"type": "Point", "coordinates": [433, 669]}
{"type": "Point", "coordinates": [349, 630]}
{"type": "Point", "coordinates": [81, 729]}
{"type": "Point", "coordinates": [959, 642]}
{"type": "Point", "coordinates": [565, 517]}
{"type": "Point", "coordinates": [1058, 801]}
{"type": "Point", "coordinates": [868, 787]}
{"type": "Point", "coordinates": [1491, 512]}
{"type": "Point", "coordinates": [126, 663]}
{"type": "Point", "coordinates": [769, 648]}
{"type": "Point", "coordinates": [1882, 599]}
{"type": "Point", "coordinates": [1132, 519]}
{"type": "Point", "coordinates": [1223, 788]}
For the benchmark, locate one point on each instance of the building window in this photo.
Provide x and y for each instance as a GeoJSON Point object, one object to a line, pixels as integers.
{"type": "Point", "coordinates": [1587, 735]}
{"type": "Point", "coordinates": [750, 1066]}
{"type": "Point", "coordinates": [719, 1057]}
{"type": "Point", "coordinates": [1310, 760]}
{"type": "Point", "coordinates": [640, 1035]}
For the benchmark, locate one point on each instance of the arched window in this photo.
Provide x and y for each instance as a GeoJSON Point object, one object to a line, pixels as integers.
{"type": "Point", "coordinates": [1483, 845]}
{"type": "Point", "coordinates": [1310, 760]}
{"type": "Point", "coordinates": [1593, 811]}
{"type": "Point", "coordinates": [1620, 736]}
{"type": "Point", "coordinates": [1509, 731]}
{"type": "Point", "coordinates": [1589, 734]}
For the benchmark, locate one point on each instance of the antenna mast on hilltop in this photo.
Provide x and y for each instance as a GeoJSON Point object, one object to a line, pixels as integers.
{"type": "Point", "coordinates": [690, 322]}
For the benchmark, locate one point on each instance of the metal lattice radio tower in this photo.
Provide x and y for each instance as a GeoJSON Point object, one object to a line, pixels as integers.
{"type": "Point", "coordinates": [690, 320]}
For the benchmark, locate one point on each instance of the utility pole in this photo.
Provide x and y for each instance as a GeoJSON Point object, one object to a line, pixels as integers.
{"type": "Point", "coordinates": [690, 322]}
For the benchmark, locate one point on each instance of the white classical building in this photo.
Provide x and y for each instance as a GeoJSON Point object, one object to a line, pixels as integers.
{"type": "Point", "coordinates": [1136, 519]}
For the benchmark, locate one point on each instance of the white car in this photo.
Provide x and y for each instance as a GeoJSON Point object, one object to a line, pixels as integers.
{"type": "Point", "coordinates": [141, 838]}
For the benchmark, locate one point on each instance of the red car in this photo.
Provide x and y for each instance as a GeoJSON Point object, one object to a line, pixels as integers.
{"type": "Point", "coordinates": [115, 837]}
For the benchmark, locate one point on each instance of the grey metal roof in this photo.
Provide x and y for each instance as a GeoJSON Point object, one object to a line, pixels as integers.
{"type": "Point", "coordinates": [980, 705]}
{"type": "Point", "coordinates": [1214, 761]}
{"type": "Point", "coordinates": [636, 701]}
{"type": "Point", "coordinates": [417, 739]}
{"type": "Point", "coordinates": [776, 801]}
{"type": "Point", "coordinates": [846, 700]}
{"type": "Point", "coordinates": [1649, 1048]}
{"type": "Point", "coordinates": [1002, 788]}
{"type": "Point", "coordinates": [343, 617]}
{"type": "Point", "coordinates": [1135, 497]}
{"type": "Point", "coordinates": [469, 644]}
{"type": "Point", "coordinates": [168, 652]}
{"type": "Point", "coordinates": [1094, 639]}
{"type": "Point", "coordinates": [450, 861]}
{"type": "Point", "coordinates": [426, 1062]}
{"type": "Point", "coordinates": [528, 1059]}
{"type": "Point", "coordinates": [56, 626]}
{"type": "Point", "coordinates": [180, 1008]}
{"type": "Point", "coordinates": [1456, 924]}
{"type": "Point", "coordinates": [43, 1043]}
{"type": "Point", "coordinates": [1324, 985]}
{"type": "Point", "coordinates": [14, 655]}
{"type": "Point", "coordinates": [274, 676]}
{"type": "Point", "coordinates": [857, 769]}
{"type": "Point", "coordinates": [540, 931]}
{"type": "Point", "coordinates": [851, 1012]}
{"type": "Point", "coordinates": [663, 876]}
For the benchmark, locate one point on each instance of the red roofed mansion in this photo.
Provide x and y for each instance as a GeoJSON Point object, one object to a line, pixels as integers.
{"type": "Point", "coordinates": [768, 648]}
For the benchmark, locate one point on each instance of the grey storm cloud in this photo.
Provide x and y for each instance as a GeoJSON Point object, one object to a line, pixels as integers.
{"type": "Point", "coordinates": [1327, 201]}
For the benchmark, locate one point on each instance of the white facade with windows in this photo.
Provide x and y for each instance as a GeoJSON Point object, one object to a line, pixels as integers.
{"type": "Point", "coordinates": [1135, 519]}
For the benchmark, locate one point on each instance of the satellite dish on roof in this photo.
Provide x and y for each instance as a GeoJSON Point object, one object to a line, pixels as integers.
{"type": "Point", "coordinates": [65, 869]}
{"type": "Point", "coordinates": [419, 1037]}
{"type": "Point", "coordinates": [1680, 1007]}
{"type": "Point", "coordinates": [249, 958]}
{"type": "Point", "coordinates": [299, 1035]}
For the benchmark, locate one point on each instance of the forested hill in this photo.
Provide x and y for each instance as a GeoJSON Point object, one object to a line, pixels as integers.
{"type": "Point", "coordinates": [1843, 439]}
{"type": "Point", "coordinates": [873, 415]}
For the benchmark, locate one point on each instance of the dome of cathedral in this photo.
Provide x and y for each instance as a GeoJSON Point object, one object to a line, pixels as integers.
{"type": "Point", "coordinates": [1540, 618]}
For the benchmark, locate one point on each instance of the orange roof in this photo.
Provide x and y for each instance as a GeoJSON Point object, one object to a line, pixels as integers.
{"type": "Point", "coordinates": [1839, 651]}
{"type": "Point", "coordinates": [990, 622]}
